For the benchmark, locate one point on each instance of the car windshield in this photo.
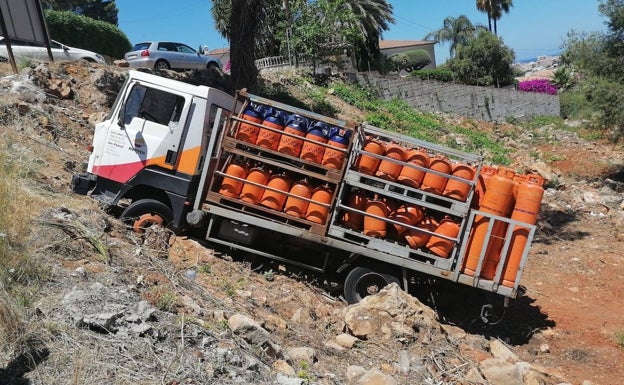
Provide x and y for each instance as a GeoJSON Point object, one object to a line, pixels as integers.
{"type": "Point", "coordinates": [140, 46]}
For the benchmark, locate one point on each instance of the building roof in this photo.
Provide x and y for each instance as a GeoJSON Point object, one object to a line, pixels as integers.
{"type": "Point", "coordinates": [217, 51]}
{"type": "Point", "coordinates": [387, 44]}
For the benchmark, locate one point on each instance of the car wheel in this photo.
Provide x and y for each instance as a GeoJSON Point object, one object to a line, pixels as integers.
{"type": "Point", "coordinates": [161, 65]}
{"type": "Point", "coordinates": [212, 66]}
{"type": "Point", "coordinates": [3, 59]}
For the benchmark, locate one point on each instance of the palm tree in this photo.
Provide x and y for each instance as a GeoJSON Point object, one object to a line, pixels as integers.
{"type": "Point", "coordinates": [456, 31]}
{"type": "Point", "coordinates": [485, 6]}
{"type": "Point", "coordinates": [494, 10]}
{"type": "Point", "coordinates": [500, 7]}
{"type": "Point", "coordinates": [372, 18]}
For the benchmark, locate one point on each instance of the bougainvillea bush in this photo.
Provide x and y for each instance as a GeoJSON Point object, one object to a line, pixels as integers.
{"type": "Point", "coordinates": [538, 85]}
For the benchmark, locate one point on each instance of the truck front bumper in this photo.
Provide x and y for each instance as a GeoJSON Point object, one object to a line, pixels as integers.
{"type": "Point", "coordinates": [82, 183]}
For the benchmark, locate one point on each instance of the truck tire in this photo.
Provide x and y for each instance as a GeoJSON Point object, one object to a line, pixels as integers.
{"type": "Point", "coordinates": [144, 213]}
{"type": "Point", "coordinates": [363, 281]}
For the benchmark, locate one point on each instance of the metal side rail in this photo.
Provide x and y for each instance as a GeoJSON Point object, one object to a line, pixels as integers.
{"type": "Point", "coordinates": [515, 234]}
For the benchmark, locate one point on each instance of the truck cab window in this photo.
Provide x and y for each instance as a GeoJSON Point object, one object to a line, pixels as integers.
{"type": "Point", "coordinates": [154, 105]}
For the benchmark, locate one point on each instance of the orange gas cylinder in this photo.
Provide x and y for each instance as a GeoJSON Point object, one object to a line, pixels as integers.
{"type": "Point", "coordinates": [317, 213]}
{"type": "Point", "coordinates": [251, 193]}
{"type": "Point", "coordinates": [457, 189]}
{"type": "Point", "coordinates": [291, 145]}
{"type": "Point", "coordinates": [232, 187]}
{"type": "Point", "coordinates": [249, 132]}
{"type": "Point", "coordinates": [486, 173]}
{"type": "Point", "coordinates": [435, 183]}
{"type": "Point", "coordinates": [518, 179]}
{"type": "Point", "coordinates": [368, 164]}
{"type": "Point", "coordinates": [374, 227]}
{"type": "Point", "coordinates": [417, 239]}
{"type": "Point", "coordinates": [409, 214]}
{"type": "Point", "coordinates": [338, 139]}
{"type": "Point", "coordinates": [496, 200]}
{"type": "Point", "coordinates": [357, 200]}
{"type": "Point", "coordinates": [412, 176]}
{"type": "Point", "coordinates": [275, 199]}
{"type": "Point", "coordinates": [388, 169]}
{"type": "Point", "coordinates": [530, 194]}
{"type": "Point", "coordinates": [267, 138]}
{"type": "Point", "coordinates": [313, 152]}
{"type": "Point", "coordinates": [298, 207]}
{"type": "Point", "coordinates": [441, 246]}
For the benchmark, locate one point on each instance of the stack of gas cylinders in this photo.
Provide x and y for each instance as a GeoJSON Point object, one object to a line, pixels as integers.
{"type": "Point", "coordinates": [277, 190]}
{"type": "Point", "coordinates": [416, 168]}
{"type": "Point", "coordinates": [382, 217]}
{"type": "Point", "coordinates": [294, 135]}
{"type": "Point", "coordinates": [501, 192]}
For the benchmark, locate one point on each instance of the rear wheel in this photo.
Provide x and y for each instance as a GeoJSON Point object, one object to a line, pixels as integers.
{"type": "Point", "coordinates": [363, 281]}
{"type": "Point", "coordinates": [144, 213]}
{"type": "Point", "coordinates": [161, 65]}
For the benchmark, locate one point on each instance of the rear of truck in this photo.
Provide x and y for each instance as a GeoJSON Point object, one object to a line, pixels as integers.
{"type": "Point", "coordinates": [375, 224]}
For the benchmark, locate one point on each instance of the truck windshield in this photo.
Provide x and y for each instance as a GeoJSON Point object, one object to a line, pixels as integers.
{"type": "Point", "coordinates": [154, 105]}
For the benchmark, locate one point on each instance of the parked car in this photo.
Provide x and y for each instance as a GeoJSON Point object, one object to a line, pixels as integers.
{"type": "Point", "coordinates": [25, 50]}
{"type": "Point", "coordinates": [169, 55]}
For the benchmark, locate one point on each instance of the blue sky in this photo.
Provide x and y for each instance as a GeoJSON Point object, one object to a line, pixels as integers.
{"type": "Point", "coordinates": [532, 28]}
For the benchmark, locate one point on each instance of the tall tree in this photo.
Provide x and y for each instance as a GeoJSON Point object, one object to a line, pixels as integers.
{"type": "Point", "coordinates": [273, 18]}
{"type": "Point", "coordinates": [484, 60]}
{"type": "Point", "coordinates": [485, 6]}
{"type": "Point", "coordinates": [456, 31]}
{"type": "Point", "coordinates": [500, 7]}
{"type": "Point", "coordinates": [103, 10]}
{"type": "Point", "coordinates": [243, 27]}
{"type": "Point", "coordinates": [372, 17]}
{"type": "Point", "coordinates": [494, 10]}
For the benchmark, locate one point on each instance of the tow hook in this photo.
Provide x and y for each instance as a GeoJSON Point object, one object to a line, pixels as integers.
{"type": "Point", "coordinates": [489, 316]}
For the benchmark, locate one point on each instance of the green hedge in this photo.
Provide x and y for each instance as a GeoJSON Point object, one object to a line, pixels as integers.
{"type": "Point", "coordinates": [86, 33]}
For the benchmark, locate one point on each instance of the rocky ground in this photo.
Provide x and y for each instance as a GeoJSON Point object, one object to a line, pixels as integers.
{"type": "Point", "coordinates": [116, 307]}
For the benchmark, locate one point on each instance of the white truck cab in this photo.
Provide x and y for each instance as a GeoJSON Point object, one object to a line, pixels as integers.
{"type": "Point", "coordinates": [152, 144]}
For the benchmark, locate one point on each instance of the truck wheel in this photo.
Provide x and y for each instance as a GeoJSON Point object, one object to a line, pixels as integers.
{"type": "Point", "coordinates": [145, 213]}
{"type": "Point", "coordinates": [362, 281]}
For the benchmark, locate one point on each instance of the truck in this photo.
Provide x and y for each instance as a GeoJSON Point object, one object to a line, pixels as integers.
{"type": "Point", "coordinates": [260, 176]}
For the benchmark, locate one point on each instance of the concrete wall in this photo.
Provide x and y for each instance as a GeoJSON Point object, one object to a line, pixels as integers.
{"type": "Point", "coordinates": [484, 103]}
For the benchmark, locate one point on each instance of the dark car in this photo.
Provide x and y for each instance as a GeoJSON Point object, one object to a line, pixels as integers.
{"type": "Point", "coordinates": [169, 55]}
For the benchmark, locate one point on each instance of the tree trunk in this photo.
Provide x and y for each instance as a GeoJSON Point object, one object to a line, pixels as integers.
{"type": "Point", "coordinates": [243, 21]}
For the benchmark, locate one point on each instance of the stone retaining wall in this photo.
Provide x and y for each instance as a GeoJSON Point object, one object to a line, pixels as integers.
{"type": "Point", "coordinates": [484, 103]}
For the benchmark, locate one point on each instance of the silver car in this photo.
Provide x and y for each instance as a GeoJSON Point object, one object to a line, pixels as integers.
{"type": "Point", "coordinates": [169, 55]}
{"type": "Point", "coordinates": [25, 50]}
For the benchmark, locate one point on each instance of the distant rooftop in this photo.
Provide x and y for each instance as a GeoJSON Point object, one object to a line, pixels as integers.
{"type": "Point", "coordinates": [387, 44]}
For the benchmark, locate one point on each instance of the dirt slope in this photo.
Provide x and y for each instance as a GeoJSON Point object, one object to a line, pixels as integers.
{"type": "Point", "coordinates": [569, 319]}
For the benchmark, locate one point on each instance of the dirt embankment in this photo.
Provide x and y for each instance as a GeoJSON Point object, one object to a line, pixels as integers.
{"type": "Point", "coordinates": [116, 307]}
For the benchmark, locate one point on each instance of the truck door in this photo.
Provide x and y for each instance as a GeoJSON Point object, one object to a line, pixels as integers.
{"type": "Point", "coordinates": [146, 132]}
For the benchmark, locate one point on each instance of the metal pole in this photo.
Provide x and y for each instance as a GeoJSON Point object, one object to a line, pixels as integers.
{"type": "Point", "coordinates": [5, 33]}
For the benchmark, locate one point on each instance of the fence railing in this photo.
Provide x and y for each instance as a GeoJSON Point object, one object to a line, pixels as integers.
{"type": "Point", "coordinates": [281, 61]}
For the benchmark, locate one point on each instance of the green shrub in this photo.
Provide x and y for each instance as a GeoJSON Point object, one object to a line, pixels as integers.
{"type": "Point", "coordinates": [411, 60]}
{"type": "Point", "coordinates": [605, 99]}
{"type": "Point", "coordinates": [84, 32]}
{"type": "Point", "coordinates": [436, 74]}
